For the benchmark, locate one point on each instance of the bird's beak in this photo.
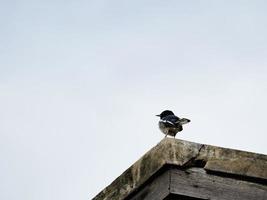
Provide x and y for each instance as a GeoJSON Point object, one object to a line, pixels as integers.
{"type": "Point", "coordinates": [158, 115]}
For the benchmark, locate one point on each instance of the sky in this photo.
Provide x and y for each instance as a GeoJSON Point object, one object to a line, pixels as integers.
{"type": "Point", "coordinates": [81, 82]}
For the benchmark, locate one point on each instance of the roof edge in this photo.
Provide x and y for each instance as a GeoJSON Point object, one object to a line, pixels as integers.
{"type": "Point", "coordinates": [185, 154]}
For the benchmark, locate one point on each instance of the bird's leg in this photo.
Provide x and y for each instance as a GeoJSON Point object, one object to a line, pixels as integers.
{"type": "Point", "coordinates": [167, 132]}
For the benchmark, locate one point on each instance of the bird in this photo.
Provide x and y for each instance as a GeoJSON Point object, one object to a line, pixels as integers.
{"type": "Point", "coordinates": [170, 124]}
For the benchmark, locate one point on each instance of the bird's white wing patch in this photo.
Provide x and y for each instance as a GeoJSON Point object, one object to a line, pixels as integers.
{"type": "Point", "coordinates": [166, 121]}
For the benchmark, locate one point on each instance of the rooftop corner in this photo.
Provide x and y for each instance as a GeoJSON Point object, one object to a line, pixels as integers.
{"type": "Point", "coordinates": [183, 155]}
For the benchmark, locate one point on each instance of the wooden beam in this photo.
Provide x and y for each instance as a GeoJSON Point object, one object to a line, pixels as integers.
{"type": "Point", "coordinates": [155, 189]}
{"type": "Point", "coordinates": [195, 182]}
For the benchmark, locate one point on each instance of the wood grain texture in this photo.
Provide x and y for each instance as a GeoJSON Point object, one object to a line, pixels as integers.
{"type": "Point", "coordinates": [220, 163]}
{"type": "Point", "coordinates": [157, 189]}
{"type": "Point", "coordinates": [195, 182]}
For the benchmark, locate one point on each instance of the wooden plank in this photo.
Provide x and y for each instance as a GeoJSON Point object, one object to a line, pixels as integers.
{"type": "Point", "coordinates": [195, 182]}
{"type": "Point", "coordinates": [155, 189]}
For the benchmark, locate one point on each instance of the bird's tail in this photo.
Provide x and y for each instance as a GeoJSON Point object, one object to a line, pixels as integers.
{"type": "Point", "coordinates": [184, 121]}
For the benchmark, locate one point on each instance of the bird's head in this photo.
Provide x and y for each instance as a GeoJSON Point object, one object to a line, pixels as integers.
{"type": "Point", "coordinates": [165, 113]}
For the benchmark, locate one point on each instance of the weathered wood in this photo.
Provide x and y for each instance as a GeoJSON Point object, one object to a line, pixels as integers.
{"type": "Point", "coordinates": [195, 182]}
{"type": "Point", "coordinates": [226, 168]}
{"type": "Point", "coordinates": [168, 151]}
{"type": "Point", "coordinates": [156, 189]}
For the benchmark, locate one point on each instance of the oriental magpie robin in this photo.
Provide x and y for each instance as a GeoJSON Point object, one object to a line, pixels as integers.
{"type": "Point", "coordinates": [170, 124]}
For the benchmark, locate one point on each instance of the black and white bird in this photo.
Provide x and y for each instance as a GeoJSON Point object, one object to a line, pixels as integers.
{"type": "Point", "coordinates": [170, 124]}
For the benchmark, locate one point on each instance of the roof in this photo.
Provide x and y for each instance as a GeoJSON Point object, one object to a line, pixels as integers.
{"type": "Point", "coordinates": [184, 154]}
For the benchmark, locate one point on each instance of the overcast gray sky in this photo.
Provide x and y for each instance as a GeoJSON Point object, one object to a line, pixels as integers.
{"type": "Point", "coordinates": [81, 82]}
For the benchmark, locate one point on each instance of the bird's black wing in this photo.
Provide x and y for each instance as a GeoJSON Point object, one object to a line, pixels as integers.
{"type": "Point", "coordinates": [170, 121]}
